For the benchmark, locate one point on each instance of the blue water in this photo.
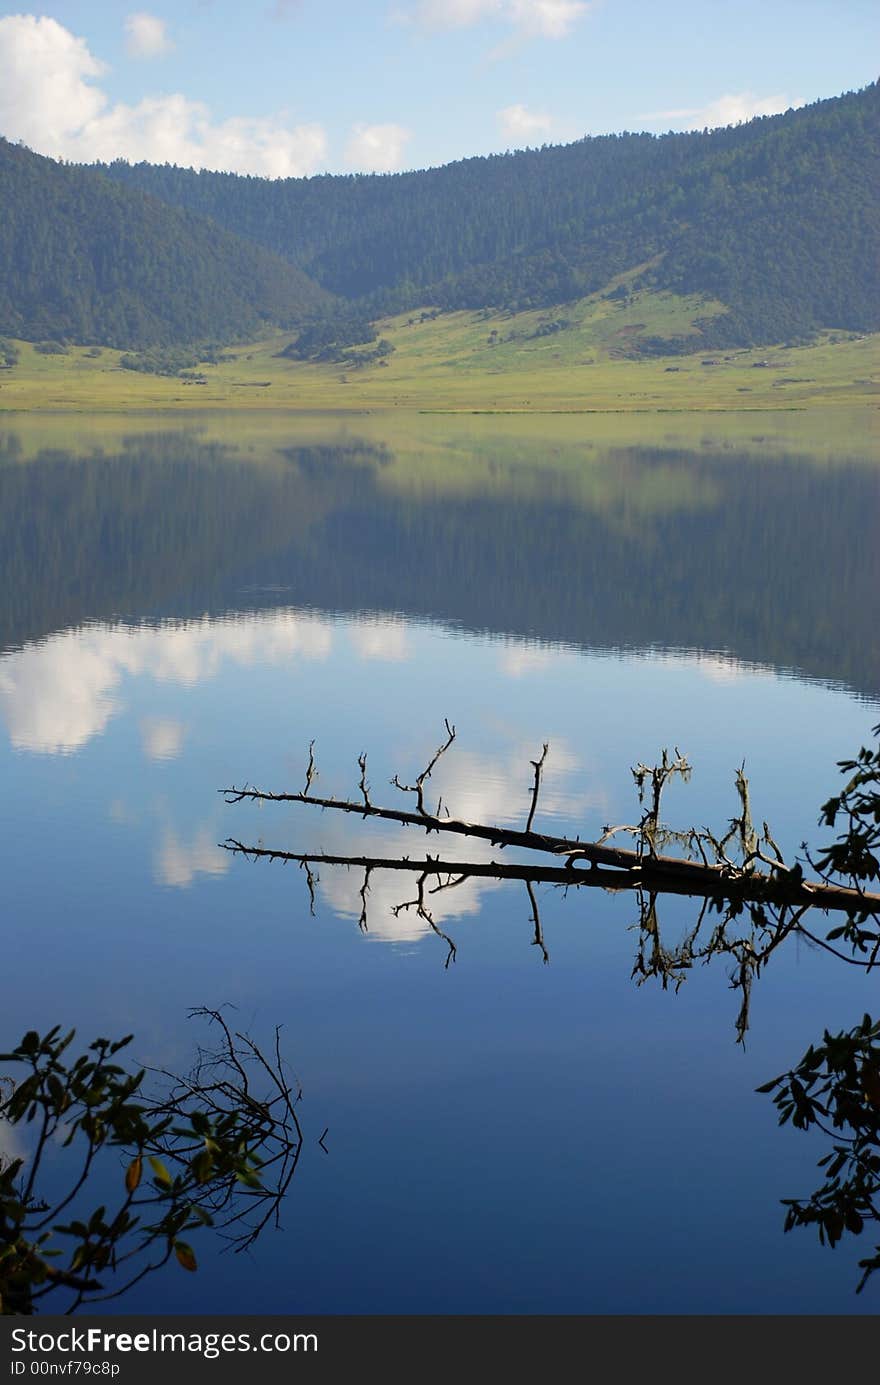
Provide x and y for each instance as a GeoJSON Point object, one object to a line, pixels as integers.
{"type": "Point", "coordinates": [504, 1135]}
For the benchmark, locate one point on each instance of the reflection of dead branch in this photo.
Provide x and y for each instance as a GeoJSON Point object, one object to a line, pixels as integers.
{"type": "Point", "coordinates": [538, 940]}
{"type": "Point", "coordinates": [311, 881]}
{"type": "Point", "coordinates": [424, 912]}
{"type": "Point", "coordinates": [748, 932]}
{"type": "Point", "coordinates": [747, 888]}
{"type": "Point", "coordinates": [734, 922]}
{"type": "Point", "coordinates": [364, 891]}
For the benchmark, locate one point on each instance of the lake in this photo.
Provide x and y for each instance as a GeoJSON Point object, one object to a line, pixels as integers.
{"type": "Point", "coordinates": [185, 605]}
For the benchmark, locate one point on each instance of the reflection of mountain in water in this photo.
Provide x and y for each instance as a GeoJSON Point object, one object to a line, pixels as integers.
{"type": "Point", "coordinates": [775, 559]}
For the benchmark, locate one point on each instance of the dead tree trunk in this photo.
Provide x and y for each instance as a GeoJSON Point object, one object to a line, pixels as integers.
{"type": "Point", "coordinates": [714, 875]}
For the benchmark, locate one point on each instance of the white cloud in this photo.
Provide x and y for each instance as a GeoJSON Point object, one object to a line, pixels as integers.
{"type": "Point", "coordinates": [376, 148]}
{"type": "Point", "coordinates": [547, 18]}
{"type": "Point", "coordinates": [146, 35]}
{"type": "Point", "coordinates": [162, 738]}
{"type": "Point", "coordinates": [538, 18]}
{"type": "Point", "coordinates": [177, 862]}
{"type": "Point", "coordinates": [727, 110]}
{"type": "Point", "coordinates": [519, 124]}
{"type": "Point", "coordinates": [45, 75]}
{"type": "Point", "coordinates": [456, 14]}
{"type": "Point", "coordinates": [173, 129]}
{"type": "Point", "coordinates": [49, 100]}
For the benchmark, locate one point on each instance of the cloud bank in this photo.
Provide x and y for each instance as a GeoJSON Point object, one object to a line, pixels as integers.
{"type": "Point", "coordinates": [49, 99]}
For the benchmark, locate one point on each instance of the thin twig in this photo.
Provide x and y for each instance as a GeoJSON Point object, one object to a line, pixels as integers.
{"type": "Point", "coordinates": [537, 766]}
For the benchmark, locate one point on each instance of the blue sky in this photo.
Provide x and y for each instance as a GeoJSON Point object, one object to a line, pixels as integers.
{"type": "Point", "coordinates": [288, 87]}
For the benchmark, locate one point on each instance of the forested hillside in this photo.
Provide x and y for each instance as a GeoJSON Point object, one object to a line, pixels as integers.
{"type": "Point", "coordinates": [85, 258]}
{"type": "Point", "coordinates": [777, 218]}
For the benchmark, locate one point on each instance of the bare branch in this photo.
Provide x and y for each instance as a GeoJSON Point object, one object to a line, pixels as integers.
{"type": "Point", "coordinates": [716, 873]}
{"type": "Point", "coordinates": [363, 785]}
{"type": "Point", "coordinates": [418, 788]}
{"type": "Point", "coordinates": [537, 766]}
{"type": "Point", "coordinates": [424, 912]}
{"type": "Point", "coordinates": [311, 769]}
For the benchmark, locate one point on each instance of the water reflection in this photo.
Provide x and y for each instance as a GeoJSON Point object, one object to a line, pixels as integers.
{"type": "Point", "coordinates": [178, 861]}
{"type": "Point", "coordinates": [162, 737]}
{"type": "Point", "coordinates": [743, 920]}
{"type": "Point", "coordinates": [178, 613]}
{"type": "Point", "coordinates": [742, 916]}
{"type": "Point", "coordinates": [57, 694]}
{"type": "Point", "coordinates": [770, 556]}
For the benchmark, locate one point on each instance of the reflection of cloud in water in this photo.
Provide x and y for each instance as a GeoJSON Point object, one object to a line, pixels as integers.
{"type": "Point", "coordinates": [497, 788]}
{"type": "Point", "coordinates": [55, 696]}
{"type": "Point", "coordinates": [518, 659]}
{"type": "Point", "coordinates": [162, 738]}
{"type": "Point", "coordinates": [177, 863]}
{"type": "Point", "coordinates": [381, 639]}
{"type": "Point", "coordinates": [476, 787]}
{"type": "Point", "coordinates": [720, 668]}
{"type": "Point", "coordinates": [341, 889]}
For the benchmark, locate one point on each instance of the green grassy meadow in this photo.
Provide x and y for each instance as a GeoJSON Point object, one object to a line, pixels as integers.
{"type": "Point", "coordinates": [580, 357]}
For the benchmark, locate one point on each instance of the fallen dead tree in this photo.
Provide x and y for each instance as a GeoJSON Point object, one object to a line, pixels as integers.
{"type": "Point", "coordinates": [710, 871]}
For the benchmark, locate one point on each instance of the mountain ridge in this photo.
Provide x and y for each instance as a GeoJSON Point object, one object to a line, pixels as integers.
{"type": "Point", "coordinates": [776, 220]}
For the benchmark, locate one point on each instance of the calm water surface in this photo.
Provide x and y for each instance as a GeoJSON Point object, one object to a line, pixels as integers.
{"type": "Point", "coordinates": [185, 608]}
